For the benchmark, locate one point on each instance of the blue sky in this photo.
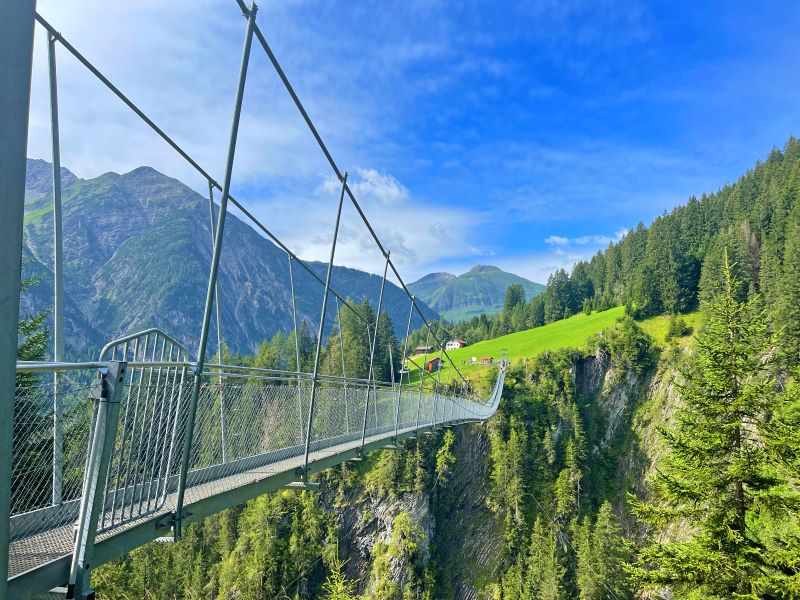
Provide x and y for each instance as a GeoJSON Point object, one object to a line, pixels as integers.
{"type": "Point", "coordinates": [525, 135]}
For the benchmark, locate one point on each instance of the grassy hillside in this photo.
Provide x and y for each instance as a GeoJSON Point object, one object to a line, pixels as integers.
{"type": "Point", "coordinates": [568, 333]}
{"type": "Point", "coordinates": [657, 327]}
{"type": "Point", "coordinates": [572, 332]}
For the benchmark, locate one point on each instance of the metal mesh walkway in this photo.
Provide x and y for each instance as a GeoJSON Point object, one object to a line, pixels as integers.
{"type": "Point", "coordinates": [263, 417]}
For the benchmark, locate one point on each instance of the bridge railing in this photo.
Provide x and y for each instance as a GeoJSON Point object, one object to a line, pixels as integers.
{"type": "Point", "coordinates": [250, 424]}
{"type": "Point", "coordinates": [33, 456]}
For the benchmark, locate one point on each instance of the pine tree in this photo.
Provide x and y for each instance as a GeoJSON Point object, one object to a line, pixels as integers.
{"type": "Point", "coordinates": [543, 568]}
{"type": "Point", "coordinates": [609, 555]}
{"type": "Point", "coordinates": [515, 295]}
{"type": "Point", "coordinates": [584, 569]}
{"type": "Point", "coordinates": [717, 472]}
{"type": "Point", "coordinates": [789, 302]}
{"type": "Point", "coordinates": [337, 586]}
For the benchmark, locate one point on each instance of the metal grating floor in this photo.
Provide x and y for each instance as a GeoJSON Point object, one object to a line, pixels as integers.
{"type": "Point", "coordinates": [26, 554]}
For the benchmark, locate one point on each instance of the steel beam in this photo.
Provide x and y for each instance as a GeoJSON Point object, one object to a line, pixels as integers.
{"type": "Point", "coordinates": [212, 278]}
{"type": "Point", "coordinates": [422, 373]}
{"type": "Point", "coordinates": [310, 422]}
{"type": "Point", "coordinates": [107, 396]}
{"type": "Point", "coordinates": [58, 274]}
{"type": "Point", "coordinates": [344, 373]}
{"type": "Point", "coordinates": [402, 366]}
{"type": "Point", "coordinates": [371, 375]}
{"type": "Point", "coordinates": [16, 55]}
{"type": "Point", "coordinates": [218, 313]}
{"type": "Point", "coordinates": [438, 385]}
{"type": "Point", "coordinates": [297, 348]}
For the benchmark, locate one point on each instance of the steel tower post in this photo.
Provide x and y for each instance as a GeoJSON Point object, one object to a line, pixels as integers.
{"type": "Point", "coordinates": [296, 351]}
{"type": "Point", "coordinates": [212, 278]}
{"type": "Point", "coordinates": [371, 374]}
{"type": "Point", "coordinates": [402, 366]}
{"type": "Point", "coordinates": [58, 272]}
{"type": "Point", "coordinates": [304, 473]}
{"type": "Point", "coordinates": [16, 58]}
{"type": "Point", "coordinates": [218, 313]}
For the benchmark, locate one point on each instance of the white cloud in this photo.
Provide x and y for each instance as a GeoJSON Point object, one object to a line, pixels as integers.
{"type": "Point", "coordinates": [379, 187]}
{"type": "Point", "coordinates": [417, 234]}
{"type": "Point", "coordinates": [584, 240]}
{"type": "Point", "coordinates": [556, 240]}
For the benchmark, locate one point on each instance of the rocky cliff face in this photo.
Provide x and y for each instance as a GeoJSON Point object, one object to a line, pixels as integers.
{"type": "Point", "coordinates": [462, 537]}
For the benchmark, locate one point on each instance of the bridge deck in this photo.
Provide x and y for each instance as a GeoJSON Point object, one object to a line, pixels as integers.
{"type": "Point", "coordinates": [265, 452]}
{"type": "Point", "coordinates": [28, 553]}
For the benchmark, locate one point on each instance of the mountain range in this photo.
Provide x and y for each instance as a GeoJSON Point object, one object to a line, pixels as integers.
{"type": "Point", "coordinates": [137, 251]}
{"type": "Point", "coordinates": [482, 289]}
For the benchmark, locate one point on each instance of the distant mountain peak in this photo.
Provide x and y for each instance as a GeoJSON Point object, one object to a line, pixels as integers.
{"type": "Point", "coordinates": [484, 269]}
{"type": "Point", "coordinates": [441, 276]}
{"type": "Point", "coordinates": [480, 290]}
{"type": "Point", "coordinates": [147, 236]}
{"type": "Point", "coordinates": [39, 178]}
{"type": "Point", "coordinates": [145, 170]}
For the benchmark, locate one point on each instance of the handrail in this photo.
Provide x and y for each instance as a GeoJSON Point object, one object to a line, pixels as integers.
{"type": "Point", "coordinates": [133, 336]}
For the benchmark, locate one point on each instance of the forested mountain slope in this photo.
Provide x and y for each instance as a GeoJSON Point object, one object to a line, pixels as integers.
{"type": "Point", "coordinates": [662, 268]}
{"type": "Point", "coordinates": [481, 290]}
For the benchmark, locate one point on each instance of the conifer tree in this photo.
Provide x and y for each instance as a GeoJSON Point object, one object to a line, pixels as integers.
{"type": "Point", "coordinates": [789, 303]}
{"type": "Point", "coordinates": [337, 586]}
{"type": "Point", "coordinates": [609, 554]}
{"type": "Point", "coordinates": [716, 474]}
{"type": "Point", "coordinates": [515, 295]}
{"type": "Point", "coordinates": [543, 569]}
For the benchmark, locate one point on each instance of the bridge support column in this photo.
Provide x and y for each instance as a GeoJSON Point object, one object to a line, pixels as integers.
{"type": "Point", "coordinates": [344, 372]}
{"type": "Point", "coordinates": [298, 368]}
{"type": "Point", "coordinates": [438, 386]}
{"type": "Point", "coordinates": [107, 395]}
{"type": "Point", "coordinates": [422, 376]}
{"type": "Point", "coordinates": [370, 376]}
{"type": "Point", "coordinates": [58, 272]}
{"type": "Point", "coordinates": [16, 54]}
{"type": "Point", "coordinates": [212, 277]}
{"type": "Point", "coordinates": [402, 368]}
{"type": "Point", "coordinates": [218, 314]}
{"type": "Point", "coordinates": [304, 473]}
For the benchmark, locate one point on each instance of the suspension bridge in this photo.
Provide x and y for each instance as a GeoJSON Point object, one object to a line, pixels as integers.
{"type": "Point", "coordinates": [98, 458]}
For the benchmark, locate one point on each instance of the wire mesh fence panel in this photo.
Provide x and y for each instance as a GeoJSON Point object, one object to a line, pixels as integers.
{"type": "Point", "coordinates": [264, 422]}
{"type": "Point", "coordinates": [150, 429]}
{"type": "Point", "coordinates": [247, 426]}
{"type": "Point", "coordinates": [43, 470]}
{"type": "Point", "coordinates": [356, 400]}
{"type": "Point", "coordinates": [33, 453]}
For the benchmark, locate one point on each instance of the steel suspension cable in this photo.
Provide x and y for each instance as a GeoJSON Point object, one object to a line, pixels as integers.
{"type": "Point", "coordinates": [289, 88]}
{"type": "Point", "coordinates": [185, 155]}
{"type": "Point", "coordinates": [211, 181]}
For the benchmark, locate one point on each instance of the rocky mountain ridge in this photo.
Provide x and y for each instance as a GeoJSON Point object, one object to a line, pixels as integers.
{"type": "Point", "coordinates": [137, 250]}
